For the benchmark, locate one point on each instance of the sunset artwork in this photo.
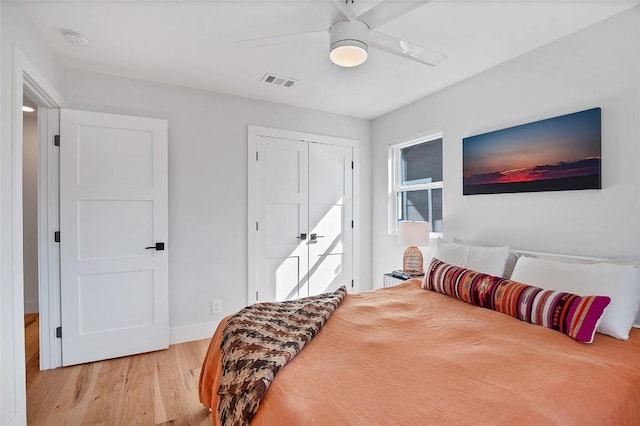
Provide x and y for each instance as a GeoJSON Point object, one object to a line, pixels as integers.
{"type": "Point", "coordinates": [560, 153]}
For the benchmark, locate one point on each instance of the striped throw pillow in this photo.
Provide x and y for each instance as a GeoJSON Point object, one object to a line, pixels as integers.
{"type": "Point", "coordinates": [576, 316]}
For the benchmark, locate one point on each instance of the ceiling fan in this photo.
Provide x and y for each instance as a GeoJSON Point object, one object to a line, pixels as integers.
{"type": "Point", "coordinates": [350, 36]}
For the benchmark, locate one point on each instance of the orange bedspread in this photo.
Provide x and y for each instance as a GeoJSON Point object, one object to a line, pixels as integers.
{"type": "Point", "coordinates": [406, 356]}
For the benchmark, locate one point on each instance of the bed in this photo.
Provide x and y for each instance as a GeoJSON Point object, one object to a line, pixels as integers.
{"type": "Point", "coordinates": [403, 355]}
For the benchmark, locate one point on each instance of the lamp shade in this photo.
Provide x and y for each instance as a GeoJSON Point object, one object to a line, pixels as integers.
{"type": "Point", "coordinates": [413, 233]}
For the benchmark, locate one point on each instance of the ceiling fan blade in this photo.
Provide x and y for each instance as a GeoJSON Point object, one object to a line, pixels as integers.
{"type": "Point", "coordinates": [405, 49]}
{"type": "Point", "coordinates": [312, 37]}
{"type": "Point", "coordinates": [389, 10]}
{"type": "Point", "coordinates": [337, 8]}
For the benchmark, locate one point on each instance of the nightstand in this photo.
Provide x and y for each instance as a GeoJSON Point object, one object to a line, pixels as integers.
{"type": "Point", "coordinates": [390, 280]}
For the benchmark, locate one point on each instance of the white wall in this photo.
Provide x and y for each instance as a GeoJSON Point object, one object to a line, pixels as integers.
{"type": "Point", "coordinates": [208, 182]}
{"type": "Point", "coordinates": [16, 30]}
{"type": "Point", "coordinates": [598, 66]}
{"type": "Point", "coordinates": [30, 210]}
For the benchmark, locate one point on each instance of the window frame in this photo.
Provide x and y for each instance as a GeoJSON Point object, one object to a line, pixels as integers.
{"type": "Point", "coordinates": [395, 186]}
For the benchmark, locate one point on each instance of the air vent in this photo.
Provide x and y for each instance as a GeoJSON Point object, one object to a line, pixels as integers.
{"type": "Point", "coordinates": [278, 80]}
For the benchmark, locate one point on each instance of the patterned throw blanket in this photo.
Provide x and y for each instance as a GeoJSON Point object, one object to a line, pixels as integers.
{"type": "Point", "coordinates": [258, 341]}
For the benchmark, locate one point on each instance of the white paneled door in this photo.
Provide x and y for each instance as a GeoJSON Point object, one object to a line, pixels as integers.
{"type": "Point", "coordinates": [330, 211]}
{"type": "Point", "coordinates": [303, 218]}
{"type": "Point", "coordinates": [113, 243]}
{"type": "Point", "coordinates": [282, 183]}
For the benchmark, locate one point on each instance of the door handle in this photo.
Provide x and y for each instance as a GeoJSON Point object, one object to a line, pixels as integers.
{"type": "Point", "coordinates": [302, 237]}
{"type": "Point", "coordinates": [314, 237]}
{"type": "Point", "coordinates": [158, 246]}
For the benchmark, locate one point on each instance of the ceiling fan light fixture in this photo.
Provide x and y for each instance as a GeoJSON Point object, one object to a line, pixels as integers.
{"type": "Point", "coordinates": [348, 53]}
{"type": "Point", "coordinates": [348, 45]}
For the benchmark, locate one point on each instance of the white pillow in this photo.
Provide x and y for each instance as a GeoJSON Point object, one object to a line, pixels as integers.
{"type": "Point", "coordinates": [620, 282]}
{"type": "Point", "coordinates": [488, 260]}
{"type": "Point", "coordinates": [511, 259]}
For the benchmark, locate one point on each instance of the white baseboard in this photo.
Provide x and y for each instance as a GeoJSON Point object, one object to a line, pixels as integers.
{"type": "Point", "coordinates": [31, 306]}
{"type": "Point", "coordinates": [192, 332]}
{"type": "Point", "coordinates": [17, 419]}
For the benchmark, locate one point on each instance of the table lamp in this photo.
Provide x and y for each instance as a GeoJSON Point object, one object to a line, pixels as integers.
{"type": "Point", "coordinates": [413, 233]}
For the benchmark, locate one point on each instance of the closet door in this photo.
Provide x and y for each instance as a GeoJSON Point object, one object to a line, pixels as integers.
{"type": "Point", "coordinates": [330, 212]}
{"type": "Point", "coordinates": [282, 197]}
{"type": "Point", "coordinates": [300, 218]}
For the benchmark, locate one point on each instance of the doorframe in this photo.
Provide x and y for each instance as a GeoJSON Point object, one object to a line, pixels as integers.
{"type": "Point", "coordinates": [25, 77]}
{"type": "Point", "coordinates": [48, 249]}
{"type": "Point", "coordinates": [254, 133]}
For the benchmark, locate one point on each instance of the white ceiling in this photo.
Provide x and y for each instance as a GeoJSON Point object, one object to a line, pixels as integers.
{"type": "Point", "coordinates": [191, 43]}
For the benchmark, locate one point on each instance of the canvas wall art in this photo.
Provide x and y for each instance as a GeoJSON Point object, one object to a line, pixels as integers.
{"type": "Point", "coordinates": [560, 153]}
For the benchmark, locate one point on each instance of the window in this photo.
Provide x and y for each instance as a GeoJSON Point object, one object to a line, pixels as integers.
{"type": "Point", "coordinates": [415, 182]}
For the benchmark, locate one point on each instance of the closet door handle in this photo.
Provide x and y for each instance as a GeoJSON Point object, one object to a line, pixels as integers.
{"type": "Point", "coordinates": [302, 237]}
{"type": "Point", "coordinates": [158, 247]}
{"type": "Point", "coordinates": [314, 237]}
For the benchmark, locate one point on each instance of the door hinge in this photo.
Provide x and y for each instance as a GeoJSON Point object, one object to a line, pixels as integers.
{"type": "Point", "coordinates": [56, 236]}
{"type": "Point", "coordinates": [351, 283]}
{"type": "Point", "coordinates": [256, 225]}
{"type": "Point", "coordinates": [351, 224]}
{"type": "Point", "coordinates": [256, 155]}
{"type": "Point", "coordinates": [352, 165]}
{"type": "Point", "coordinates": [56, 140]}
{"type": "Point", "coordinates": [256, 295]}
{"type": "Point", "coordinates": [59, 332]}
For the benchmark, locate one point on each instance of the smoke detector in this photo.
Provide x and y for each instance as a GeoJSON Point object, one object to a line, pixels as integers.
{"type": "Point", "coordinates": [76, 39]}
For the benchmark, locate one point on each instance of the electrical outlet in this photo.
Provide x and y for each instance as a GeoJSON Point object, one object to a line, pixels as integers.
{"type": "Point", "coordinates": [216, 306]}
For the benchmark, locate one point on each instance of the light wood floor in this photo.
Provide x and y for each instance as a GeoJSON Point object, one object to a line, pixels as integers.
{"type": "Point", "coordinates": [31, 345]}
{"type": "Point", "coordinates": [157, 388]}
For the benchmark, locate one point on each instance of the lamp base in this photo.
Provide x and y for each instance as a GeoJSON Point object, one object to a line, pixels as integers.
{"type": "Point", "coordinates": [412, 261]}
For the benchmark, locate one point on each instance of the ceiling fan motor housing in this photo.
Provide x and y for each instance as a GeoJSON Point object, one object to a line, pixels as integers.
{"type": "Point", "coordinates": [350, 31]}
{"type": "Point", "coordinates": [352, 37]}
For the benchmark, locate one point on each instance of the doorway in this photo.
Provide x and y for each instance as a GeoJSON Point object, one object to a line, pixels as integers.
{"type": "Point", "coordinates": [30, 235]}
{"type": "Point", "coordinates": [26, 81]}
